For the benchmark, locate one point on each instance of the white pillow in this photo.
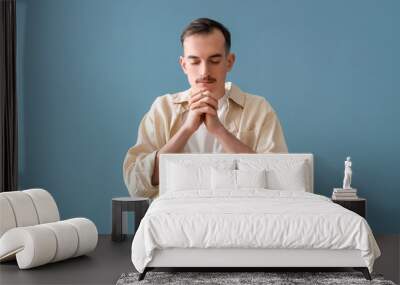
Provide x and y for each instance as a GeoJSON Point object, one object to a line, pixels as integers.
{"type": "Point", "coordinates": [281, 174]}
{"type": "Point", "coordinates": [251, 178]}
{"type": "Point", "coordinates": [182, 178]}
{"type": "Point", "coordinates": [190, 175]}
{"type": "Point", "coordinates": [290, 179]}
{"type": "Point", "coordinates": [236, 179]}
{"type": "Point", "coordinates": [223, 179]}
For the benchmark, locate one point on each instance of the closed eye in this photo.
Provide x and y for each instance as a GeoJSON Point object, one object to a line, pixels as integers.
{"type": "Point", "coordinates": [215, 61]}
{"type": "Point", "coordinates": [211, 61]}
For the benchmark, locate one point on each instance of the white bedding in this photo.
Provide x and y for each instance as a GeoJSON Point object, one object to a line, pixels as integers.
{"type": "Point", "coordinates": [250, 218]}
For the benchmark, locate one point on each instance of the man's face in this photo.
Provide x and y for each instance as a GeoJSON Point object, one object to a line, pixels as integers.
{"type": "Point", "coordinates": [205, 62]}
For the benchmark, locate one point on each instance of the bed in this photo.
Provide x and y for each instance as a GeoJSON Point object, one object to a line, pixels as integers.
{"type": "Point", "coordinates": [245, 211]}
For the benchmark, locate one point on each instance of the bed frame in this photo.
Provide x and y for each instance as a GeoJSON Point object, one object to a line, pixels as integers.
{"type": "Point", "coordinates": [238, 259]}
{"type": "Point", "coordinates": [262, 259]}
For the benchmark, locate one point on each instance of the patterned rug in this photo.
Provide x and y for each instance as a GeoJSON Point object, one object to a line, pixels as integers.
{"type": "Point", "coordinates": [270, 278]}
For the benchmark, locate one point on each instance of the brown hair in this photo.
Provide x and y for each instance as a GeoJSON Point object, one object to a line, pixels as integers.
{"type": "Point", "coordinates": [206, 26]}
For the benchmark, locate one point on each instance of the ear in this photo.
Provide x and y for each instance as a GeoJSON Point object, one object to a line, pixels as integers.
{"type": "Point", "coordinates": [231, 60]}
{"type": "Point", "coordinates": [182, 62]}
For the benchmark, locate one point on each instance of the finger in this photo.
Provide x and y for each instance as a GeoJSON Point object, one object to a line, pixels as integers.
{"type": "Point", "coordinates": [205, 103]}
{"type": "Point", "coordinates": [194, 93]}
{"type": "Point", "coordinates": [204, 113]}
{"type": "Point", "coordinates": [210, 100]}
{"type": "Point", "coordinates": [202, 96]}
{"type": "Point", "coordinates": [209, 93]}
{"type": "Point", "coordinates": [196, 111]}
{"type": "Point", "coordinates": [207, 110]}
{"type": "Point", "coordinates": [201, 104]}
{"type": "Point", "coordinates": [196, 97]}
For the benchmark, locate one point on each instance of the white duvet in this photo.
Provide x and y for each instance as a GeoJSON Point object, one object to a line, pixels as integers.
{"type": "Point", "coordinates": [251, 218]}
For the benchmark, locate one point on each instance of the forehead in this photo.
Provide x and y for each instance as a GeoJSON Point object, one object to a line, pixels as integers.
{"type": "Point", "coordinates": [204, 45]}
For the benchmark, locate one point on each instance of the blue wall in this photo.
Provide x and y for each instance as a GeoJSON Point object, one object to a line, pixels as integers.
{"type": "Point", "coordinates": [88, 70]}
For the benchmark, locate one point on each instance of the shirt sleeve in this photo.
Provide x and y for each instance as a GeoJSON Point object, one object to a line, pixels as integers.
{"type": "Point", "coordinates": [139, 161]}
{"type": "Point", "coordinates": [271, 138]}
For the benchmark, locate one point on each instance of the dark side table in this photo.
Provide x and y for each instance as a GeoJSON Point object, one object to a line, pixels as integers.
{"type": "Point", "coordinates": [357, 205]}
{"type": "Point", "coordinates": [120, 208]}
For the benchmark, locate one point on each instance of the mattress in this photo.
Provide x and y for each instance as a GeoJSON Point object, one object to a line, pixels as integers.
{"type": "Point", "coordinates": [250, 219]}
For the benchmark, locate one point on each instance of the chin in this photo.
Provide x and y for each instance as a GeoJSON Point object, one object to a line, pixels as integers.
{"type": "Point", "coordinates": [208, 86]}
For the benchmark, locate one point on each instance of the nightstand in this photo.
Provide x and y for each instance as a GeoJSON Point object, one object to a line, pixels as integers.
{"type": "Point", "coordinates": [120, 207]}
{"type": "Point", "coordinates": [358, 205]}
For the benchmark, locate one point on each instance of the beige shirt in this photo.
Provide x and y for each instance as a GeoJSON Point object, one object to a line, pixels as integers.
{"type": "Point", "coordinates": [249, 117]}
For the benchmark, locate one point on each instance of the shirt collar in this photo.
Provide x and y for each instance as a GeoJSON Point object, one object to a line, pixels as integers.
{"type": "Point", "coordinates": [231, 90]}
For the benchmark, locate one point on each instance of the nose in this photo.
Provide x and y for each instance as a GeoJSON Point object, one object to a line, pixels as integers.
{"type": "Point", "coordinates": [204, 69]}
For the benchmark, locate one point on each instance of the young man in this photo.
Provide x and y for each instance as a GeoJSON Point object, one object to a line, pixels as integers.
{"type": "Point", "coordinates": [213, 116]}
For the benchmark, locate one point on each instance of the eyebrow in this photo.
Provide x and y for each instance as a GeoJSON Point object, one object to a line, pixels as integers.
{"type": "Point", "coordinates": [212, 56]}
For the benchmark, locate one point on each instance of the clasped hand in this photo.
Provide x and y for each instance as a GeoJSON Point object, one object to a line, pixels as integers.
{"type": "Point", "coordinates": [203, 109]}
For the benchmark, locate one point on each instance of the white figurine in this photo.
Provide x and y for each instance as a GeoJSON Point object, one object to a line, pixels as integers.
{"type": "Point", "coordinates": [347, 174]}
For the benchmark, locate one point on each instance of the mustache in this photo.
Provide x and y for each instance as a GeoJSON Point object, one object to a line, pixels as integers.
{"type": "Point", "coordinates": [207, 79]}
